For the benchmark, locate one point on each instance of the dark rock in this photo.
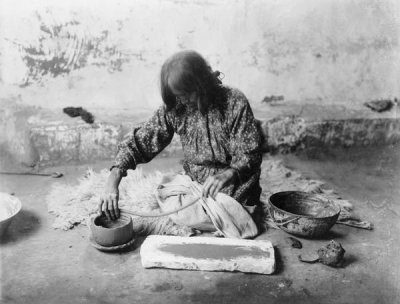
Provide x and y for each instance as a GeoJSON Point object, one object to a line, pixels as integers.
{"type": "Point", "coordinates": [272, 98]}
{"type": "Point", "coordinates": [380, 105]}
{"type": "Point", "coordinates": [295, 243]}
{"type": "Point", "coordinates": [87, 117]}
{"type": "Point", "coordinates": [73, 111]}
{"type": "Point", "coordinates": [79, 111]}
{"type": "Point", "coordinates": [331, 254]}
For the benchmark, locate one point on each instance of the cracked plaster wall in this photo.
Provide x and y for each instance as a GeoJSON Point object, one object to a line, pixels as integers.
{"type": "Point", "coordinates": [107, 54]}
{"type": "Point", "coordinates": [102, 54]}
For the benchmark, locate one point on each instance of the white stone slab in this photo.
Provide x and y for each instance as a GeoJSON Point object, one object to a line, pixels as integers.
{"type": "Point", "coordinates": [208, 253]}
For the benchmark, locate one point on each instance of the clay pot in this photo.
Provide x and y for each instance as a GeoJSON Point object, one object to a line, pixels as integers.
{"type": "Point", "coordinates": [303, 214]}
{"type": "Point", "coordinates": [110, 233]}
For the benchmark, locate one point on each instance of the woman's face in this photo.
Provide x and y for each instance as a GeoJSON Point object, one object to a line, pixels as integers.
{"type": "Point", "coordinates": [185, 98]}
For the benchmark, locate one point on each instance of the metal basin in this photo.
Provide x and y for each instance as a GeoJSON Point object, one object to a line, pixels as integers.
{"type": "Point", "coordinates": [10, 206]}
{"type": "Point", "coordinates": [303, 214]}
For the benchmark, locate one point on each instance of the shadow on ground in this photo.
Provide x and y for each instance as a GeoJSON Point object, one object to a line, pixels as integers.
{"type": "Point", "coordinates": [25, 224]}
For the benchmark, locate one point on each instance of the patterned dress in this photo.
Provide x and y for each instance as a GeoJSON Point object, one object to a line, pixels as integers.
{"type": "Point", "coordinates": [225, 136]}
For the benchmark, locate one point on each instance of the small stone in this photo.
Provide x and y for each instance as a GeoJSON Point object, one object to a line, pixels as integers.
{"type": "Point", "coordinates": [308, 258]}
{"type": "Point", "coordinates": [380, 105]}
{"type": "Point", "coordinates": [295, 243]}
{"type": "Point", "coordinates": [331, 254]}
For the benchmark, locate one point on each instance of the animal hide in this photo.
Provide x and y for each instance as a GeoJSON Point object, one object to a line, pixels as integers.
{"type": "Point", "coordinates": [73, 204]}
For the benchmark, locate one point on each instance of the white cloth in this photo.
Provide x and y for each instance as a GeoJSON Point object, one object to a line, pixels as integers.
{"type": "Point", "coordinates": [223, 214]}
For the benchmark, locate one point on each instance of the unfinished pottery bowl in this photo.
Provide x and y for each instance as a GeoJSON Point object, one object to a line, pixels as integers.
{"type": "Point", "coordinates": [303, 214]}
{"type": "Point", "coordinates": [110, 233]}
{"type": "Point", "coordinates": [10, 206]}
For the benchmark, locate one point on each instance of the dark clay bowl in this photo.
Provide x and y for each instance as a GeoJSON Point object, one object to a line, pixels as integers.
{"type": "Point", "coordinates": [303, 214]}
{"type": "Point", "coordinates": [109, 233]}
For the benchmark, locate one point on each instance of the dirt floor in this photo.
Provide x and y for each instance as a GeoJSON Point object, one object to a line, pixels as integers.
{"type": "Point", "coordinates": [43, 265]}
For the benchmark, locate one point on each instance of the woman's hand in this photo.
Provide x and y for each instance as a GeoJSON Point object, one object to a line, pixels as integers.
{"type": "Point", "coordinates": [109, 199]}
{"type": "Point", "coordinates": [109, 204]}
{"type": "Point", "coordinates": [216, 182]}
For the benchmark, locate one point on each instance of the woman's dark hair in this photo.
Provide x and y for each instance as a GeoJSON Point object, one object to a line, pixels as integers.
{"type": "Point", "coordinates": [189, 72]}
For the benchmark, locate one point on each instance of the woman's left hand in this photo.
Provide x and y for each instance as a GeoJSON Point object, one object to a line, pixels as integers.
{"type": "Point", "coordinates": [216, 182]}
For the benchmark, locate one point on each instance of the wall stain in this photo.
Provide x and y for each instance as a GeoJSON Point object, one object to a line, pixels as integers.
{"type": "Point", "coordinates": [64, 47]}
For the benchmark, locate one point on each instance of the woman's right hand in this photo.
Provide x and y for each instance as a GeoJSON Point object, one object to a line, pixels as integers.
{"type": "Point", "coordinates": [109, 203]}
{"type": "Point", "coordinates": [109, 199]}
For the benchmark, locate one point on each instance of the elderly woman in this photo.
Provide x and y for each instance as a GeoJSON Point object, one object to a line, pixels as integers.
{"type": "Point", "coordinates": [217, 129]}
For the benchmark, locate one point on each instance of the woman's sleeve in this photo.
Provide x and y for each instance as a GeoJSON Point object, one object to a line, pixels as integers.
{"type": "Point", "coordinates": [145, 142]}
{"type": "Point", "coordinates": [245, 138]}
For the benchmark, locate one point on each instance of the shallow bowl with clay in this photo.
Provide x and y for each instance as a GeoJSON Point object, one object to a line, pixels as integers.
{"type": "Point", "coordinates": [110, 233]}
{"type": "Point", "coordinates": [303, 214]}
{"type": "Point", "coordinates": [10, 206]}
